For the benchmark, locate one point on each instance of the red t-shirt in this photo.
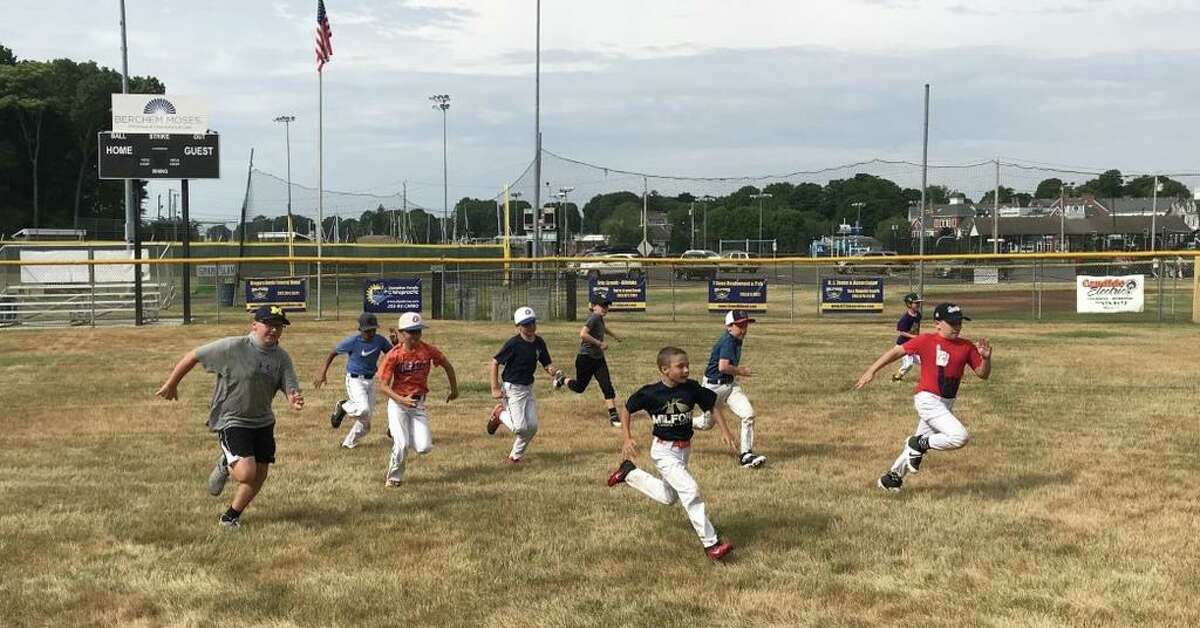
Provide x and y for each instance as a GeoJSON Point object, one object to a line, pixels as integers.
{"type": "Point", "coordinates": [409, 370]}
{"type": "Point", "coordinates": [942, 362]}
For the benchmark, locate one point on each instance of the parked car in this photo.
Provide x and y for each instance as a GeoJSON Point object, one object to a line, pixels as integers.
{"type": "Point", "coordinates": [600, 264]}
{"type": "Point", "coordinates": [697, 271]}
{"type": "Point", "coordinates": [876, 263]}
{"type": "Point", "coordinates": [743, 259]}
{"type": "Point", "coordinates": [960, 269]}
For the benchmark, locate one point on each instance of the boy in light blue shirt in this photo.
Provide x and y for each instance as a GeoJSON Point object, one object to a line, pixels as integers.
{"type": "Point", "coordinates": [362, 351]}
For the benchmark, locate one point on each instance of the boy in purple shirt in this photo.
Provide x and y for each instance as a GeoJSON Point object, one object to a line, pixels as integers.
{"type": "Point", "coordinates": [907, 328]}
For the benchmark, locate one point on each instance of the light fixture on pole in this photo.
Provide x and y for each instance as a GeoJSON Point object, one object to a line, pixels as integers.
{"type": "Point", "coordinates": [442, 101]}
{"type": "Point", "coordinates": [858, 219]}
{"type": "Point", "coordinates": [287, 134]}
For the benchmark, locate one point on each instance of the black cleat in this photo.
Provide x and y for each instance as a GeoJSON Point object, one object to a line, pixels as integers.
{"type": "Point", "coordinates": [915, 449]}
{"type": "Point", "coordinates": [339, 413]}
{"type": "Point", "coordinates": [890, 481]}
{"type": "Point", "coordinates": [618, 476]}
{"type": "Point", "coordinates": [751, 460]}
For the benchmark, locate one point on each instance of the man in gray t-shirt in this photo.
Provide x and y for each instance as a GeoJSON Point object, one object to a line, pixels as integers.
{"type": "Point", "coordinates": [250, 369]}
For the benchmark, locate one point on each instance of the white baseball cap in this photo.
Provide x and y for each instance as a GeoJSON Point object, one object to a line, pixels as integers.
{"type": "Point", "coordinates": [524, 315]}
{"type": "Point", "coordinates": [411, 321]}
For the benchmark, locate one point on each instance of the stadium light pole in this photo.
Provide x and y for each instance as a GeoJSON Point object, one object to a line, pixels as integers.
{"type": "Point", "coordinates": [287, 121]}
{"type": "Point", "coordinates": [760, 198]}
{"type": "Point", "coordinates": [707, 198]}
{"type": "Point", "coordinates": [563, 191]}
{"type": "Point", "coordinates": [442, 101]}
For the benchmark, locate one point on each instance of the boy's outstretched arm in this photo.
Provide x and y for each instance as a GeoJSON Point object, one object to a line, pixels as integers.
{"type": "Point", "coordinates": [453, 379]}
{"type": "Point", "coordinates": [170, 388]}
{"type": "Point", "coordinates": [889, 356]}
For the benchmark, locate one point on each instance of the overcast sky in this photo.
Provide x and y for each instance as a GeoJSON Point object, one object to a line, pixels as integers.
{"type": "Point", "coordinates": [687, 87]}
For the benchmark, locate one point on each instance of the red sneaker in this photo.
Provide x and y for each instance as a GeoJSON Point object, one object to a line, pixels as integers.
{"type": "Point", "coordinates": [493, 423]}
{"type": "Point", "coordinates": [719, 550]}
{"type": "Point", "coordinates": [618, 476]}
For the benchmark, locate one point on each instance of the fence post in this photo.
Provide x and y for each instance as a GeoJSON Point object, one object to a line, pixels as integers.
{"type": "Point", "coordinates": [1162, 269]}
{"type": "Point", "coordinates": [571, 296]}
{"type": "Point", "coordinates": [92, 283]}
{"type": "Point", "coordinates": [671, 271]}
{"type": "Point", "coordinates": [435, 293]}
{"type": "Point", "coordinates": [792, 302]}
{"type": "Point", "coordinates": [337, 292]}
{"type": "Point", "coordinates": [1195, 293]}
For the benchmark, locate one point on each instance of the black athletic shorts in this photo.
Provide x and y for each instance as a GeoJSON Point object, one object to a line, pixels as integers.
{"type": "Point", "coordinates": [247, 442]}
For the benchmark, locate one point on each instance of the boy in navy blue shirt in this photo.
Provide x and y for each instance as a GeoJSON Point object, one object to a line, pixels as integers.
{"type": "Point", "coordinates": [362, 352]}
{"type": "Point", "coordinates": [517, 408]}
{"type": "Point", "coordinates": [907, 328]}
{"type": "Point", "coordinates": [721, 377]}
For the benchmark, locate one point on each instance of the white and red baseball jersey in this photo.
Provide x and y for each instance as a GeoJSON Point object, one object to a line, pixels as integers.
{"type": "Point", "coordinates": [942, 362]}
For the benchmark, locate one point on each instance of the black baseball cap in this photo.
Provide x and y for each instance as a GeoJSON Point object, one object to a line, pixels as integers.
{"type": "Point", "coordinates": [271, 314]}
{"type": "Point", "coordinates": [949, 312]}
{"type": "Point", "coordinates": [366, 321]}
{"type": "Point", "coordinates": [601, 297]}
{"type": "Point", "coordinates": [913, 297]}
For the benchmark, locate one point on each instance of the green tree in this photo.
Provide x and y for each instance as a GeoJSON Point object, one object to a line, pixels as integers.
{"type": "Point", "coordinates": [601, 206]}
{"type": "Point", "coordinates": [6, 56]}
{"type": "Point", "coordinates": [1110, 184]}
{"type": "Point", "coordinates": [1006, 197]}
{"type": "Point", "coordinates": [1048, 188]}
{"type": "Point", "coordinates": [1143, 186]}
{"type": "Point", "coordinates": [623, 225]}
{"type": "Point", "coordinates": [26, 90]}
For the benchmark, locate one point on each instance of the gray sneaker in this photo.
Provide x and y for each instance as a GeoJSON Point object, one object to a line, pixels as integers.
{"type": "Point", "coordinates": [218, 477]}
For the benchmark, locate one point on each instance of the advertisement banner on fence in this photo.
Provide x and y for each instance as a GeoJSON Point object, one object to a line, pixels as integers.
{"type": "Point", "coordinates": [286, 292]}
{"type": "Point", "coordinates": [391, 296]}
{"type": "Point", "coordinates": [851, 296]}
{"type": "Point", "coordinates": [987, 275]}
{"type": "Point", "coordinates": [629, 293]}
{"type": "Point", "coordinates": [748, 293]}
{"type": "Point", "coordinates": [1104, 295]}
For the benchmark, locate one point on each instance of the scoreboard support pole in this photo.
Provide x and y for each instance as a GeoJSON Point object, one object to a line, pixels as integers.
{"type": "Point", "coordinates": [138, 318]}
{"type": "Point", "coordinates": [187, 254]}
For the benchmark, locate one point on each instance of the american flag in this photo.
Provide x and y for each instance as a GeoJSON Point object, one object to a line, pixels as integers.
{"type": "Point", "coordinates": [324, 36]}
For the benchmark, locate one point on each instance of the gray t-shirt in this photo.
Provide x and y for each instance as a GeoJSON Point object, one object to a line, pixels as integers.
{"type": "Point", "coordinates": [247, 378]}
{"type": "Point", "coordinates": [595, 329]}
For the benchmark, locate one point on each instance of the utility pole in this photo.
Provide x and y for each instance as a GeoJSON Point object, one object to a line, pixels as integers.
{"type": "Point", "coordinates": [924, 185]}
{"type": "Point", "coordinates": [537, 133]}
{"type": "Point", "coordinates": [1154, 219]}
{"type": "Point", "coordinates": [566, 232]}
{"type": "Point", "coordinates": [760, 198]}
{"type": "Point", "coordinates": [692, 231]}
{"type": "Point", "coordinates": [287, 135]}
{"type": "Point", "coordinates": [996, 211]}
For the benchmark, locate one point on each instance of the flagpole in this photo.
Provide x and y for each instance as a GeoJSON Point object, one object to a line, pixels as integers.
{"type": "Point", "coordinates": [320, 178]}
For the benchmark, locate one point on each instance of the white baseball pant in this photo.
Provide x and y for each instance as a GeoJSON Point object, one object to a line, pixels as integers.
{"type": "Point", "coordinates": [735, 399]}
{"type": "Point", "coordinates": [360, 398]}
{"type": "Point", "coordinates": [907, 362]}
{"type": "Point", "coordinates": [937, 421]}
{"type": "Point", "coordinates": [410, 429]}
{"type": "Point", "coordinates": [519, 416]}
{"type": "Point", "coordinates": [676, 484]}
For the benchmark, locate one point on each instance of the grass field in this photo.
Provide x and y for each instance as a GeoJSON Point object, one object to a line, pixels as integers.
{"type": "Point", "coordinates": [1074, 505]}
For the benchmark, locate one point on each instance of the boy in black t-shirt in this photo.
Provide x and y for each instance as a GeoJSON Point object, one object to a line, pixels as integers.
{"type": "Point", "coordinates": [669, 404]}
{"type": "Point", "coordinates": [517, 409]}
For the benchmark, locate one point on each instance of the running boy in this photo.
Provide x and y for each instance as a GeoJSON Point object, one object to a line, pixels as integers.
{"type": "Point", "coordinates": [405, 374]}
{"type": "Point", "coordinates": [362, 352]}
{"type": "Point", "coordinates": [907, 328]}
{"type": "Point", "coordinates": [670, 403]}
{"type": "Point", "coordinates": [944, 356]}
{"type": "Point", "coordinates": [590, 360]}
{"type": "Point", "coordinates": [517, 408]}
{"type": "Point", "coordinates": [720, 377]}
{"type": "Point", "coordinates": [250, 369]}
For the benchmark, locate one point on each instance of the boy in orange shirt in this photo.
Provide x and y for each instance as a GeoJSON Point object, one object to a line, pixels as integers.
{"type": "Point", "coordinates": [405, 374]}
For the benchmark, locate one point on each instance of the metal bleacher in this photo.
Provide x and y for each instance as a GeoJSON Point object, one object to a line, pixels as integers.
{"type": "Point", "coordinates": [78, 304]}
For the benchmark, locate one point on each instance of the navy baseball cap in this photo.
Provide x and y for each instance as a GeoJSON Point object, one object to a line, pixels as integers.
{"type": "Point", "coordinates": [601, 297]}
{"type": "Point", "coordinates": [737, 317]}
{"type": "Point", "coordinates": [271, 314]}
{"type": "Point", "coordinates": [949, 312]}
{"type": "Point", "coordinates": [366, 321]}
{"type": "Point", "coordinates": [913, 297]}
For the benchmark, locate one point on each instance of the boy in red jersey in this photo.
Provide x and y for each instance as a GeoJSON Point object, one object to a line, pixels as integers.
{"type": "Point", "coordinates": [944, 357]}
{"type": "Point", "coordinates": [405, 375]}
